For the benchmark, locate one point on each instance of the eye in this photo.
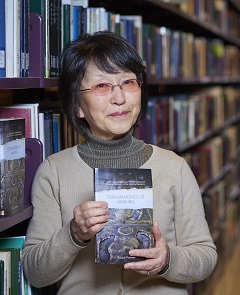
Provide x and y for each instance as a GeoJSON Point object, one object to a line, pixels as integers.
{"type": "Point", "coordinates": [130, 82]}
{"type": "Point", "coordinates": [103, 85]}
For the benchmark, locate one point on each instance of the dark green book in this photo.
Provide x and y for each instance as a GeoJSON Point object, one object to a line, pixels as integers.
{"type": "Point", "coordinates": [15, 269]}
{"type": "Point", "coordinates": [2, 277]}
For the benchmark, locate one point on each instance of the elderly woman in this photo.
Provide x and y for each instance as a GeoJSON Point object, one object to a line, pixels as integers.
{"type": "Point", "coordinates": [103, 89]}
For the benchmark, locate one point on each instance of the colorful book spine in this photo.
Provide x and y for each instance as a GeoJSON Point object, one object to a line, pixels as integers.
{"type": "Point", "coordinates": [2, 40]}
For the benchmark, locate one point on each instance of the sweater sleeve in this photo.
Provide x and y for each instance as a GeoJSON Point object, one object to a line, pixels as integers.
{"type": "Point", "coordinates": [49, 250]}
{"type": "Point", "coordinates": [194, 256]}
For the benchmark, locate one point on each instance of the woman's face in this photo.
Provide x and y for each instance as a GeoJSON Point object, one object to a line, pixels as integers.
{"type": "Point", "coordinates": [110, 116]}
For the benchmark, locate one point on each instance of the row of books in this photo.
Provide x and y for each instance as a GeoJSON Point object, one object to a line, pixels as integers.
{"type": "Point", "coordinates": [222, 211]}
{"type": "Point", "coordinates": [211, 158]}
{"type": "Point", "coordinates": [47, 125]}
{"type": "Point", "coordinates": [177, 120]}
{"type": "Point", "coordinates": [14, 38]}
{"type": "Point", "coordinates": [65, 20]}
{"type": "Point", "coordinates": [217, 13]}
{"type": "Point", "coordinates": [15, 29]}
{"type": "Point", "coordinates": [167, 53]}
{"type": "Point", "coordinates": [178, 54]}
{"type": "Point", "coordinates": [12, 278]}
{"type": "Point", "coordinates": [219, 204]}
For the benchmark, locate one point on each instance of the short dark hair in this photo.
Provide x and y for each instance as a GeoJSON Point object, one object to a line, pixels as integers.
{"type": "Point", "coordinates": [110, 53]}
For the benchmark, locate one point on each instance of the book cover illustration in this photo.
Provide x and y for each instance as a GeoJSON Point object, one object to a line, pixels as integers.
{"type": "Point", "coordinates": [129, 194]}
{"type": "Point", "coordinates": [12, 166]}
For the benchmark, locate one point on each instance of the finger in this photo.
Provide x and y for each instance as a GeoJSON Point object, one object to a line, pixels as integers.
{"type": "Point", "coordinates": [145, 253]}
{"type": "Point", "coordinates": [157, 234]}
{"type": "Point", "coordinates": [93, 204]}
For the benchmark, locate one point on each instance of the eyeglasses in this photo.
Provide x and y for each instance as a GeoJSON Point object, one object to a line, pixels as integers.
{"type": "Point", "coordinates": [131, 85]}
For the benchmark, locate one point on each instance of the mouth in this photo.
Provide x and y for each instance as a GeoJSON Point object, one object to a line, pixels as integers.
{"type": "Point", "coordinates": [119, 114]}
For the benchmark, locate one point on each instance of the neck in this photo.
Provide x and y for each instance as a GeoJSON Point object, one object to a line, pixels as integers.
{"type": "Point", "coordinates": [125, 152]}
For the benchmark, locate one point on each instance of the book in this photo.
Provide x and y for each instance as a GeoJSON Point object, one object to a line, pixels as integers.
{"type": "Point", "coordinates": [15, 269]}
{"type": "Point", "coordinates": [24, 40]}
{"type": "Point", "coordinates": [27, 111]}
{"type": "Point", "coordinates": [33, 158]}
{"type": "Point", "coordinates": [6, 257]}
{"type": "Point", "coordinates": [9, 15]}
{"type": "Point", "coordinates": [16, 38]}
{"type": "Point", "coordinates": [129, 194]}
{"type": "Point", "coordinates": [48, 132]}
{"type": "Point", "coordinates": [2, 40]}
{"type": "Point", "coordinates": [2, 278]}
{"type": "Point", "coordinates": [12, 243]}
{"type": "Point", "coordinates": [12, 166]}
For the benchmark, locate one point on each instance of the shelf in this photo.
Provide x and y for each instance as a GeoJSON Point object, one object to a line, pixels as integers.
{"type": "Point", "coordinates": [10, 221]}
{"type": "Point", "coordinates": [189, 23]}
{"type": "Point", "coordinates": [23, 83]}
{"type": "Point", "coordinates": [204, 137]}
{"type": "Point", "coordinates": [193, 81]}
{"type": "Point", "coordinates": [209, 183]}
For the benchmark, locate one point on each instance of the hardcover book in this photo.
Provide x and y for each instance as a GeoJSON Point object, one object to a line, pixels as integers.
{"type": "Point", "coordinates": [12, 166]}
{"type": "Point", "coordinates": [129, 194]}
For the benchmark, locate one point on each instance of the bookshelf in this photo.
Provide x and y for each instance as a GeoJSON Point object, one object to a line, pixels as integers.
{"type": "Point", "coordinates": [159, 14]}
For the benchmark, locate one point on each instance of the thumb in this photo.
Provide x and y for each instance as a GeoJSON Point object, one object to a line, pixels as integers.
{"type": "Point", "coordinates": [157, 234]}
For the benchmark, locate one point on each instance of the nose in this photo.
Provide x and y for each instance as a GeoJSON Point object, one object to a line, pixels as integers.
{"type": "Point", "coordinates": [118, 95]}
{"type": "Point", "coordinates": [117, 85]}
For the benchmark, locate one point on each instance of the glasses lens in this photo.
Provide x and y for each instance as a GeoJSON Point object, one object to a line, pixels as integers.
{"type": "Point", "coordinates": [102, 88]}
{"type": "Point", "coordinates": [131, 85]}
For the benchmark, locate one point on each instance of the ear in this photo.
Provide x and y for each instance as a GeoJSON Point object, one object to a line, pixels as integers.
{"type": "Point", "coordinates": [80, 113]}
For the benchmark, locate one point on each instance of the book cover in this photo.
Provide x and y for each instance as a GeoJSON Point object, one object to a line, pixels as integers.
{"type": "Point", "coordinates": [12, 166]}
{"type": "Point", "coordinates": [129, 194]}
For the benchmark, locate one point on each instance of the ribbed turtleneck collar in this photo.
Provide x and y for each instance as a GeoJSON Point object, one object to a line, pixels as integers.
{"type": "Point", "coordinates": [126, 152]}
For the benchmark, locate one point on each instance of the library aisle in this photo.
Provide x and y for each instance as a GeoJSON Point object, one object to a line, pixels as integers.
{"type": "Point", "coordinates": [228, 282]}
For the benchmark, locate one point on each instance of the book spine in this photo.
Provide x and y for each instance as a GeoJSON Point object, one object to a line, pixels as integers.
{"type": "Point", "coordinates": [2, 40]}
{"type": "Point", "coordinates": [9, 37]}
{"type": "Point", "coordinates": [16, 38]}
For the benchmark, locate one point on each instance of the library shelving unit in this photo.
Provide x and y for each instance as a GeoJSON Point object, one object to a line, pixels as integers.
{"type": "Point", "coordinates": [36, 79]}
{"type": "Point", "coordinates": [201, 24]}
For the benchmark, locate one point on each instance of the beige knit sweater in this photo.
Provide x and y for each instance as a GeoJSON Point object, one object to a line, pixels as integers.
{"type": "Point", "coordinates": [50, 255]}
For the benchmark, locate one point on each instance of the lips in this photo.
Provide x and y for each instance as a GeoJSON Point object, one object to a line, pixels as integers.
{"type": "Point", "coordinates": [119, 114]}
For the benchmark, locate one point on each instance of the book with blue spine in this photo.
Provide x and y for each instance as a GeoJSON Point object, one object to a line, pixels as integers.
{"type": "Point", "coordinates": [2, 40]}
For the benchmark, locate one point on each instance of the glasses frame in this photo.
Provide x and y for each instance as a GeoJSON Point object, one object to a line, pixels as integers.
{"type": "Point", "coordinates": [113, 86]}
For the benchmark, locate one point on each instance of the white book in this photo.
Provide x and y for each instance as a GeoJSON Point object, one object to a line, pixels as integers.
{"type": "Point", "coordinates": [42, 132]}
{"type": "Point", "coordinates": [83, 3]}
{"type": "Point", "coordinates": [16, 38]}
{"type": "Point", "coordinates": [47, 43]}
{"type": "Point", "coordinates": [9, 37]}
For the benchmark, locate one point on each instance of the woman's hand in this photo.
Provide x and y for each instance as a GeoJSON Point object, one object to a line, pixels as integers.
{"type": "Point", "coordinates": [89, 218]}
{"type": "Point", "coordinates": [157, 257]}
